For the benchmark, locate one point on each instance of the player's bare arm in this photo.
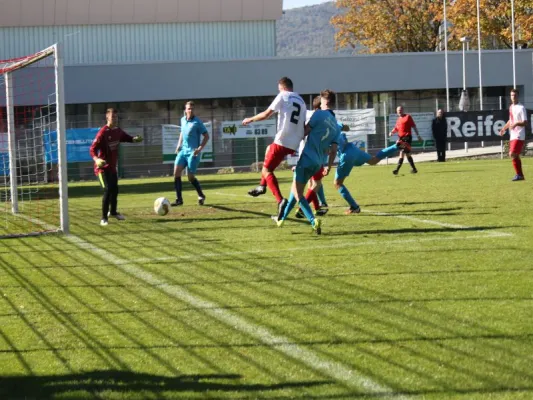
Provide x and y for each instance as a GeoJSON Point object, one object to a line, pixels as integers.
{"type": "Point", "coordinates": [205, 139]}
{"type": "Point", "coordinates": [178, 147]}
{"type": "Point", "coordinates": [307, 129]}
{"type": "Point", "coordinates": [259, 117]}
{"type": "Point", "coordinates": [417, 134]}
{"type": "Point", "coordinates": [502, 131]}
{"type": "Point", "coordinates": [331, 159]}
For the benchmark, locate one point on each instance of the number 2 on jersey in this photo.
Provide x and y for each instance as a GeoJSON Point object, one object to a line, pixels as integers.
{"type": "Point", "coordinates": [295, 116]}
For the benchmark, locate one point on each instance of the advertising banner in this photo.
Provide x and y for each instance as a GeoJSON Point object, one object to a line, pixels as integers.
{"type": "Point", "coordinates": [4, 155]}
{"type": "Point", "coordinates": [362, 122]}
{"type": "Point", "coordinates": [78, 144]}
{"type": "Point", "coordinates": [171, 134]}
{"type": "Point", "coordinates": [478, 126]}
{"type": "Point", "coordinates": [423, 124]}
{"type": "Point", "coordinates": [261, 129]}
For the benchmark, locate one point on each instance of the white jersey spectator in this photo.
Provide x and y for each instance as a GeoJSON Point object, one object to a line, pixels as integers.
{"type": "Point", "coordinates": [517, 113]}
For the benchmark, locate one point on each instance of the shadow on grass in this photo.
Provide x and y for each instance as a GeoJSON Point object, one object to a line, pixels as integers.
{"type": "Point", "coordinates": [413, 203]}
{"type": "Point", "coordinates": [135, 187]}
{"type": "Point", "coordinates": [244, 211]}
{"type": "Point", "coordinates": [450, 171]}
{"type": "Point", "coordinates": [418, 230]}
{"type": "Point", "coordinates": [92, 383]}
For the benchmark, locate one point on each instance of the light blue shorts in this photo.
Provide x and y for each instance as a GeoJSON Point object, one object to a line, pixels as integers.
{"type": "Point", "coordinates": [187, 159]}
{"type": "Point", "coordinates": [354, 157]}
{"type": "Point", "coordinates": [303, 172]}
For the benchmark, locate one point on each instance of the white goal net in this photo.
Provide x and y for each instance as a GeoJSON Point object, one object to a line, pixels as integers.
{"type": "Point", "coordinates": [33, 181]}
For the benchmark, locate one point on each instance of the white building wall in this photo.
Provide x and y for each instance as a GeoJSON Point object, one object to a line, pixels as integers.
{"type": "Point", "coordinates": [138, 43]}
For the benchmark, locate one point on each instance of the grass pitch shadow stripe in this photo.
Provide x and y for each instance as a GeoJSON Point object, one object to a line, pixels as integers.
{"type": "Point", "coordinates": [386, 214]}
{"type": "Point", "coordinates": [335, 370]}
{"type": "Point", "coordinates": [430, 221]}
{"type": "Point", "coordinates": [312, 246]}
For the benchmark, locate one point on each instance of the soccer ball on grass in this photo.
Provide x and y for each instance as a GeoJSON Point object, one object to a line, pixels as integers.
{"type": "Point", "coordinates": [161, 206]}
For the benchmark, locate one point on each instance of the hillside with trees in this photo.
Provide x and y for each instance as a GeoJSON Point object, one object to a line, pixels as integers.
{"type": "Point", "coordinates": [307, 31]}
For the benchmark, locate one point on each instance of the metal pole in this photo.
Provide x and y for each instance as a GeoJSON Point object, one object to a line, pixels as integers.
{"type": "Point", "coordinates": [256, 147]}
{"type": "Point", "coordinates": [479, 58]}
{"type": "Point", "coordinates": [61, 141]}
{"type": "Point", "coordinates": [90, 116]}
{"type": "Point", "coordinates": [514, 53]}
{"type": "Point", "coordinates": [11, 142]}
{"type": "Point", "coordinates": [464, 68]}
{"type": "Point", "coordinates": [446, 59]}
{"type": "Point", "coordinates": [501, 141]}
{"type": "Point", "coordinates": [479, 63]}
{"type": "Point", "coordinates": [464, 84]}
{"type": "Point", "coordinates": [385, 129]}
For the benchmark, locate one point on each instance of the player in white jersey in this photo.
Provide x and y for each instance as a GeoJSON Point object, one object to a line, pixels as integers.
{"type": "Point", "coordinates": [517, 132]}
{"type": "Point", "coordinates": [291, 121]}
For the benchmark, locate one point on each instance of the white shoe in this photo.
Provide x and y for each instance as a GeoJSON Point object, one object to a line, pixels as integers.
{"type": "Point", "coordinates": [103, 222]}
{"type": "Point", "coordinates": [118, 216]}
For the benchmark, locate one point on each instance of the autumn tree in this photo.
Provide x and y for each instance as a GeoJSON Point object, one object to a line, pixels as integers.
{"type": "Point", "coordinates": [388, 26]}
{"type": "Point", "coordinates": [495, 22]}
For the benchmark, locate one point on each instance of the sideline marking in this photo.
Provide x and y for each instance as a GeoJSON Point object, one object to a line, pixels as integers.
{"type": "Point", "coordinates": [283, 344]}
{"type": "Point", "coordinates": [396, 215]}
{"type": "Point", "coordinates": [487, 235]}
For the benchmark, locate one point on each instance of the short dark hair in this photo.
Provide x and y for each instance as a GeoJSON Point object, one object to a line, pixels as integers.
{"type": "Point", "coordinates": [111, 110]}
{"type": "Point", "coordinates": [515, 91]}
{"type": "Point", "coordinates": [286, 83]}
{"type": "Point", "coordinates": [316, 102]}
{"type": "Point", "coordinates": [329, 95]}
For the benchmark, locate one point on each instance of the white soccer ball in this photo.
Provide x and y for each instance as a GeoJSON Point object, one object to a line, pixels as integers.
{"type": "Point", "coordinates": [161, 206]}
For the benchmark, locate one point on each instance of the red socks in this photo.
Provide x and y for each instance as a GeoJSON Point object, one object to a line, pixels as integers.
{"type": "Point", "coordinates": [517, 164]}
{"type": "Point", "coordinates": [272, 184]}
{"type": "Point", "coordinates": [311, 197]}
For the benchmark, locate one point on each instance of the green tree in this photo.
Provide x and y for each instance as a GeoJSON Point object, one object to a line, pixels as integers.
{"type": "Point", "coordinates": [388, 26]}
{"type": "Point", "coordinates": [495, 22]}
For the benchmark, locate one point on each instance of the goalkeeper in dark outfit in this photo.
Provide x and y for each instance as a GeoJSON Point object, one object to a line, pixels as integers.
{"type": "Point", "coordinates": [104, 151]}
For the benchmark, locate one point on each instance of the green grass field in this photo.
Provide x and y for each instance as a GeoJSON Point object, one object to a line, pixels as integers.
{"type": "Point", "coordinates": [427, 294]}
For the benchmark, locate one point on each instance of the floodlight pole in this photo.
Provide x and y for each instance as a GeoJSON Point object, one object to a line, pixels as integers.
{"type": "Point", "coordinates": [479, 57]}
{"type": "Point", "coordinates": [446, 59]}
{"type": "Point", "coordinates": [514, 53]}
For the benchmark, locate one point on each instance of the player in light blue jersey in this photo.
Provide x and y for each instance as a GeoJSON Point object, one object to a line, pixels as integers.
{"type": "Point", "coordinates": [192, 141]}
{"type": "Point", "coordinates": [351, 156]}
{"type": "Point", "coordinates": [315, 191]}
{"type": "Point", "coordinates": [322, 133]}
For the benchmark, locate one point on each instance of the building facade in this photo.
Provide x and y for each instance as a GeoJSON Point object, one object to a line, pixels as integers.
{"type": "Point", "coordinates": [148, 58]}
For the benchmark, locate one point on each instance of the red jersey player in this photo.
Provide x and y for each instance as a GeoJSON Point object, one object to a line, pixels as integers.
{"type": "Point", "coordinates": [404, 125]}
{"type": "Point", "coordinates": [104, 151]}
{"type": "Point", "coordinates": [517, 132]}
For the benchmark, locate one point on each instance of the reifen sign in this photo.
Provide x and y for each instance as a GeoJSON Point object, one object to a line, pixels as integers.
{"type": "Point", "coordinates": [478, 126]}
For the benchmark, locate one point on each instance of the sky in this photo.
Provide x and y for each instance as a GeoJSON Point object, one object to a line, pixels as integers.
{"type": "Point", "coordinates": [301, 3]}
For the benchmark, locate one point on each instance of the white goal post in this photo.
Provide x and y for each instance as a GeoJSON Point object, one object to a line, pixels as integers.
{"type": "Point", "coordinates": [33, 162]}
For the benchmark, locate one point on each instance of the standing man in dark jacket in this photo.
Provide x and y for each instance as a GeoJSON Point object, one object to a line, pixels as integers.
{"type": "Point", "coordinates": [439, 128]}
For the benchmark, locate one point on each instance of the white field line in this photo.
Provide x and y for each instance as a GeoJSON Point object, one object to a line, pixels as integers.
{"type": "Point", "coordinates": [423, 221]}
{"type": "Point", "coordinates": [312, 246]}
{"type": "Point", "coordinates": [432, 222]}
{"type": "Point", "coordinates": [333, 369]}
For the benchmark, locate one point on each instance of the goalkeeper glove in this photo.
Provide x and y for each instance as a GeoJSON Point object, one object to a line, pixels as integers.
{"type": "Point", "coordinates": [100, 162]}
{"type": "Point", "coordinates": [137, 139]}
